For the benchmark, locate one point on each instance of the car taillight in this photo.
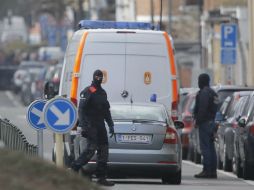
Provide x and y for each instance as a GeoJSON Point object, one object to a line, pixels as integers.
{"type": "Point", "coordinates": [252, 130]}
{"type": "Point", "coordinates": [174, 111]}
{"type": "Point", "coordinates": [171, 136]}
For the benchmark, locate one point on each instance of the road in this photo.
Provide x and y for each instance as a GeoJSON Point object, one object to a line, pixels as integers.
{"type": "Point", "coordinates": [11, 108]}
{"type": "Point", "coordinates": [225, 181]}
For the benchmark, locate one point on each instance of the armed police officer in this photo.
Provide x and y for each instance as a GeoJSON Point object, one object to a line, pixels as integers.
{"type": "Point", "coordinates": [93, 109]}
{"type": "Point", "coordinates": [204, 112]}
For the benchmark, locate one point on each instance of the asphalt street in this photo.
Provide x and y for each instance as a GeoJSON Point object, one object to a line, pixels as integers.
{"type": "Point", "coordinates": [11, 109]}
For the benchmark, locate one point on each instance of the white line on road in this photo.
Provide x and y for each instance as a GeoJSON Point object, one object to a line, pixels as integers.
{"type": "Point", "coordinates": [13, 99]}
{"type": "Point", "coordinates": [222, 172]}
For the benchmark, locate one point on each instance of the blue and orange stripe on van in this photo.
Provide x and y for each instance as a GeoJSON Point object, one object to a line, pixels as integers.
{"type": "Point", "coordinates": [76, 69]}
{"type": "Point", "coordinates": [175, 93]}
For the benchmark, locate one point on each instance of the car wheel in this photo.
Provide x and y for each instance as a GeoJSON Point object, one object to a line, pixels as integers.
{"type": "Point", "coordinates": [184, 153]}
{"type": "Point", "coordinates": [247, 170]}
{"type": "Point", "coordinates": [227, 163]}
{"type": "Point", "coordinates": [174, 179]}
{"type": "Point", "coordinates": [238, 168]}
{"type": "Point", "coordinates": [191, 154]}
{"type": "Point", "coordinates": [197, 157]}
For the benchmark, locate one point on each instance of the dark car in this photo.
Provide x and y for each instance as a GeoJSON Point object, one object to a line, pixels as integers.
{"type": "Point", "coordinates": [244, 142]}
{"type": "Point", "coordinates": [223, 92]}
{"type": "Point", "coordinates": [230, 112]}
{"type": "Point", "coordinates": [51, 74]}
{"type": "Point", "coordinates": [188, 120]}
{"type": "Point", "coordinates": [29, 76]}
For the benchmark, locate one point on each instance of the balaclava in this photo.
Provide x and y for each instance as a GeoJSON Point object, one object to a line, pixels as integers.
{"type": "Point", "coordinates": [96, 81]}
{"type": "Point", "coordinates": [203, 80]}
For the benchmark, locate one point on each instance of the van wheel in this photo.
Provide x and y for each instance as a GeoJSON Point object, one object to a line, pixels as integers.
{"type": "Point", "coordinates": [174, 179]}
{"type": "Point", "coordinates": [53, 156]}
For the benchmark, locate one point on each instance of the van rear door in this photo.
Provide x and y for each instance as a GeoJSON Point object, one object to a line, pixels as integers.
{"type": "Point", "coordinates": [105, 51]}
{"type": "Point", "coordinates": [147, 66]}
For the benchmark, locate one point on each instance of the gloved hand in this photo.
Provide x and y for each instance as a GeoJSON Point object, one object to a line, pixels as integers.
{"type": "Point", "coordinates": [84, 133]}
{"type": "Point", "coordinates": [111, 131]}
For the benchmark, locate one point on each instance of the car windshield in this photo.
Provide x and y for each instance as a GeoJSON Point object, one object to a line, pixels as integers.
{"type": "Point", "coordinates": [138, 113]}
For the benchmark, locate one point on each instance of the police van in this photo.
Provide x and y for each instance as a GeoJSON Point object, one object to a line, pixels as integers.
{"type": "Point", "coordinates": [137, 61]}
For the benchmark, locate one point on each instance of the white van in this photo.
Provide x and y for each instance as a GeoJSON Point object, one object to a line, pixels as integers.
{"type": "Point", "coordinates": [137, 62]}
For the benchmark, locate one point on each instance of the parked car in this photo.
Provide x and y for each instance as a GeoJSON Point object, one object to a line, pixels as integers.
{"type": "Point", "coordinates": [188, 120]}
{"type": "Point", "coordinates": [226, 129]}
{"type": "Point", "coordinates": [23, 71]}
{"type": "Point", "coordinates": [146, 143]}
{"type": "Point", "coordinates": [223, 92]}
{"type": "Point", "coordinates": [52, 81]}
{"type": "Point", "coordinates": [30, 75]}
{"type": "Point", "coordinates": [51, 74]}
{"type": "Point", "coordinates": [244, 142]}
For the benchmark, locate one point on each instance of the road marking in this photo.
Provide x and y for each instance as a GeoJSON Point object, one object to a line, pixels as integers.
{"type": "Point", "coordinates": [13, 99]}
{"type": "Point", "coordinates": [220, 171]}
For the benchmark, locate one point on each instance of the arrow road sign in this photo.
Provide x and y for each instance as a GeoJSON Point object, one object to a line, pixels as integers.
{"type": "Point", "coordinates": [35, 114]}
{"type": "Point", "coordinates": [60, 115]}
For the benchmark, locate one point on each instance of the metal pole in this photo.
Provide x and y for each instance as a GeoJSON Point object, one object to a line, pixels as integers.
{"type": "Point", "coordinates": [170, 16]}
{"type": "Point", "coordinates": [59, 150]}
{"type": "Point", "coordinates": [161, 15]}
{"type": "Point", "coordinates": [202, 65]}
{"type": "Point", "coordinates": [250, 80]}
{"type": "Point", "coordinates": [152, 11]}
{"type": "Point", "coordinates": [40, 142]}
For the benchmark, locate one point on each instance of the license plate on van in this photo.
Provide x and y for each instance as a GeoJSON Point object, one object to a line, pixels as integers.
{"type": "Point", "coordinates": [125, 138]}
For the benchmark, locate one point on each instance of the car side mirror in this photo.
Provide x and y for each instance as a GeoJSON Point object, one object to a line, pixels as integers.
{"type": "Point", "coordinates": [218, 117]}
{"type": "Point", "coordinates": [49, 90]}
{"type": "Point", "coordinates": [179, 124]}
{"type": "Point", "coordinates": [242, 122]}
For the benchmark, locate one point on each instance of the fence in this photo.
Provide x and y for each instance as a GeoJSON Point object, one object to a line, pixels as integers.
{"type": "Point", "coordinates": [12, 138]}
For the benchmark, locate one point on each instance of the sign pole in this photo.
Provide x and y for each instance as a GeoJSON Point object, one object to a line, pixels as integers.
{"type": "Point", "coordinates": [40, 142]}
{"type": "Point", "coordinates": [60, 115]}
{"type": "Point", "coordinates": [59, 150]}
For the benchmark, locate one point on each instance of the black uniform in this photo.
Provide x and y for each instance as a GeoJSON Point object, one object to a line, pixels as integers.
{"type": "Point", "coordinates": [204, 112]}
{"type": "Point", "coordinates": [93, 110]}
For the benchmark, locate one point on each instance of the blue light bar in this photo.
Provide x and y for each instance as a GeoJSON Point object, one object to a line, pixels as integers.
{"type": "Point", "coordinates": [89, 24]}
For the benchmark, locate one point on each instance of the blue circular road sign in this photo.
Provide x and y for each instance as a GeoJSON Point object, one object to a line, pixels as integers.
{"type": "Point", "coordinates": [35, 114]}
{"type": "Point", "coordinates": [60, 115]}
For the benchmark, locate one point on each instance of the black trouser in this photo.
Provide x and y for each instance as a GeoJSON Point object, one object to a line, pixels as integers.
{"type": "Point", "coordinates": [97, 140]}
{"type": "Point", "coordinates": [206, 138]}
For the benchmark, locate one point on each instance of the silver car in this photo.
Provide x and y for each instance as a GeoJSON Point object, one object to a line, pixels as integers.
{"type": "Point", "coordinates": [146, 143]}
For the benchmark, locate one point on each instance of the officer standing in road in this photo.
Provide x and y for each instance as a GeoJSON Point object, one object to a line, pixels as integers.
{"type": "Point", "coordinates": [204, 114]}
{"type": "Point", "coordinates": [93, 109]}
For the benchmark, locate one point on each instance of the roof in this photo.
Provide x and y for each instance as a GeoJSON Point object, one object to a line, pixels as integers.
{"type": "Point", "coordinates": [231, 87]}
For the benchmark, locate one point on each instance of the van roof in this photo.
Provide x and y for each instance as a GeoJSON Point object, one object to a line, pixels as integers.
{"type": "Point", "coordinates": [101, 24]}
{"type": "Point", "coordinates": [122, 31]}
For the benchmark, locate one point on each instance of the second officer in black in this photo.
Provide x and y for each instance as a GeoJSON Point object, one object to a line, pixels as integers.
{"type": "Point", "coordinates": [93, 109]}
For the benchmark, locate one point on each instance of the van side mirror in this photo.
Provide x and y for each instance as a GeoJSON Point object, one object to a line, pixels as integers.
{"type": "Point", "coordinates": [49, 90]}
{"type": "Point", "coordinates": [179, 124]}
{"type": "Point", "coordinates": [242, 122]}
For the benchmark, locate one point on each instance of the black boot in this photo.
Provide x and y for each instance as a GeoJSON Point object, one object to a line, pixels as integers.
{"type": "Point", "coordinates": [105, 182]}
{"type": "Point", "coordinates": [75, 167]}
{"type": "Point", "coordinates": [203, 174]}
